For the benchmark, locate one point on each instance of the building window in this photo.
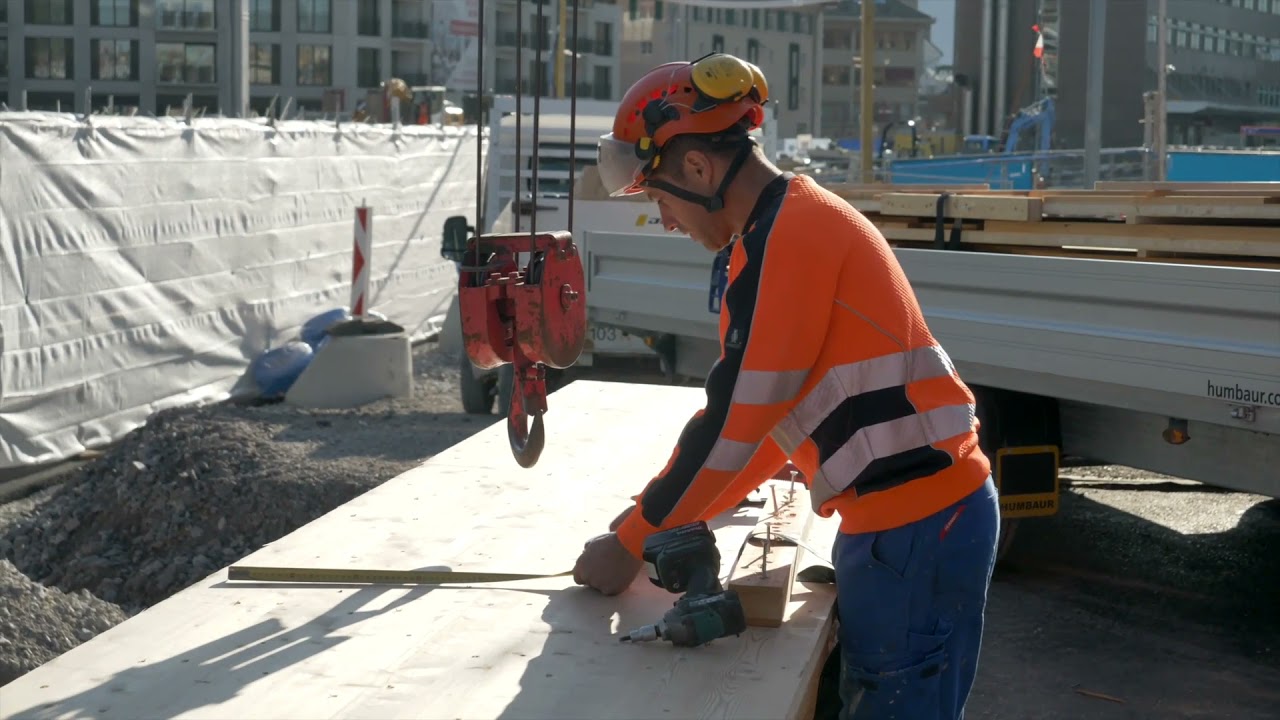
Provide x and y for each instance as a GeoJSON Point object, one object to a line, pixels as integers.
{"type": "Point", "coordinates": [314, 16]}
{"type": "Point", "coordinates": [172, 104]}
{"type": "Point", "coordinates": [313, 65]}
{"type": "Point", "coordinates": [604, 39]}
{"type": "Point", "coordinates": [264, 64]}
{"type": "Point", "coordinates": [114, 101]}
{"type": "Point", "coordinates": [264, 15]}
{"type": "Point", "coordinates": [191, 63]}
{"type": "Point", "coordinates": [49, 58]}
{"type": "Point", "coordinates": [114, 13]}
{"type": "Point", "coordinates": [4, 58]}
{"type": "Point", "coordinates": [601, 86]}
{"type": "Point", "coordinates": [368, 67]}
{"type": "Point", "coordinates": [753, 51]}
{"type": "Point", "coordinates": [49, 12]}
{"type": "Point", "coordinates": [185, 15]}
{"type": "Point", "coordinates": [835, 74]}
{"type": "Point", "coordinates": [114, 59]}
{"type": "Point", "coordinates": [367, 21]}
{"type": "Point", "coordinates": [717, 43]}
{"type": "Point", "coordinates": [4, 13]}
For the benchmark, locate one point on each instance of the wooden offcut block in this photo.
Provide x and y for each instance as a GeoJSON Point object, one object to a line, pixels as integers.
{"type": "Point", "coordinates": [764, 579]}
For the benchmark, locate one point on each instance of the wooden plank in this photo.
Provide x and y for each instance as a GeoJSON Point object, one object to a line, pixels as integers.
{"type": "Point", "coordinates": [1116, 255]}
{"type": "Point", "coordinates": [532, 649]}
{"type": "Point", "coordinates": [1191, 239]}
{"type": "Point", "coordinates": [764, 577]}
{"type": "Point", "coordinates": [968, 207]}
{"type": "Point", "coordinates": [1206, 208]}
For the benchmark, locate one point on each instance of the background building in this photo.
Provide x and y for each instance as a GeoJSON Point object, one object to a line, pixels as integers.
{"type": "Point", "coordinates": [902, 38]}
{"type": "Point", "coordinates": [599, 52]}
{"type": "Point", "coordinates": [325, 54]}
{"type": "Point", "coordinates": [152, 53]}
{"type": "Point", "coordinates": [784, 43]}
{"type": "Point", "coordinates": [1225, 56]}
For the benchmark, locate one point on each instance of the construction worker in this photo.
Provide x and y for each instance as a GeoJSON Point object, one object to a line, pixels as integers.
{"type": "Point", "coordinates": [826, 362]}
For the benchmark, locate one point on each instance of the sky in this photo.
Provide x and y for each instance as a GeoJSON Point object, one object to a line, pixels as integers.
{"type": "Point", "coordinates": [944, 30]}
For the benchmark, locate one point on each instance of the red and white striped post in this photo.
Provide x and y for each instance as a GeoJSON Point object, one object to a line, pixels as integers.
{"type": "Point", "coordinates": [362, 249]}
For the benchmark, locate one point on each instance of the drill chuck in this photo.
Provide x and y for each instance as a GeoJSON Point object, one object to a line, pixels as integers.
{"type": "Point", "coordinates": [643, 634]}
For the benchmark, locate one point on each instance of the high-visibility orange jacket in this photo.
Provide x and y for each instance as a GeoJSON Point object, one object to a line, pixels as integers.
{"type": "Point", "coordinates": [825, 359]}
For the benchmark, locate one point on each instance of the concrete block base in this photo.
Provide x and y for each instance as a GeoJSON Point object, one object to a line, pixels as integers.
{"type": "Point", "coordinates": [361, 362]}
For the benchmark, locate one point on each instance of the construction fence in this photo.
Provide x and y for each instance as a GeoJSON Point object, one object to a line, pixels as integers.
{"type": "Point", "coordinates": [145, 262]}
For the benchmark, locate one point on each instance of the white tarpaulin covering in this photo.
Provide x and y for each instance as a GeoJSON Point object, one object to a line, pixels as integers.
{"type": "Point", "coordinates": [145, 263]}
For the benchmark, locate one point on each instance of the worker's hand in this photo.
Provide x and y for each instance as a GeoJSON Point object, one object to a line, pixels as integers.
{"type": "Point", "coordinates": [606, 565]}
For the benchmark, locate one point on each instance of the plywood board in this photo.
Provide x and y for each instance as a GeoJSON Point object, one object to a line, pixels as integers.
{"type": "Point", "coordinates": [529, 649]}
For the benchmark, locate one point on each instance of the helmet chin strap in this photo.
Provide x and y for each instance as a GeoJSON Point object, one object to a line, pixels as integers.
{"type": "Point", "coordinates": [715, 202]}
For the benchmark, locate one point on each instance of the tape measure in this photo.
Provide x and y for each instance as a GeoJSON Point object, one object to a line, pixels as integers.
{"type": "Point", "coordinates": [376, 577]}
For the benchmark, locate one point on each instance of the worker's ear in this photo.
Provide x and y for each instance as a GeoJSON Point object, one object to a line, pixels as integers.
{"type": "Point", "coordinates": [697, 168]}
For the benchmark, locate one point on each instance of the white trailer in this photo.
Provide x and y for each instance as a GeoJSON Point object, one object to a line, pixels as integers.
{"type": "Point", "coordinates": [1170, 367]}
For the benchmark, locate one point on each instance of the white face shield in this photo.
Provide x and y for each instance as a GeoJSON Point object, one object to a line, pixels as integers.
{"type": "Point", "coordinates": [618, 165]}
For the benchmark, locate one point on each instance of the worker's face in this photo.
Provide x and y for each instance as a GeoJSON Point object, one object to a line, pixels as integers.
{"type": "Point", "coordinates": [698, 175]}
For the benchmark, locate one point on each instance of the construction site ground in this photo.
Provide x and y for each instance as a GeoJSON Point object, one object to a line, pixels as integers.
{"type": "Point", "coordinates": [1145, 597]}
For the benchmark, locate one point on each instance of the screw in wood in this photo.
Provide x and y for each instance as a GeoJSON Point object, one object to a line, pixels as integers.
{"type": "Point", "coordinates": [764, 558]}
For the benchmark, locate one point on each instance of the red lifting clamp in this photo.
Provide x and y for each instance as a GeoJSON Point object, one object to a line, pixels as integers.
{"type": "Point", "coordinates": [532, 317]}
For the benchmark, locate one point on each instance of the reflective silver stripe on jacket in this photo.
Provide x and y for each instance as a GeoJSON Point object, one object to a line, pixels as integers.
{"type": "Point", "coordinates": [840, 471]}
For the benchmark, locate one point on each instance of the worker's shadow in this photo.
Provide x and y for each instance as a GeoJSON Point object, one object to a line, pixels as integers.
{"type": "Point", "coordinates": [216, 671]}
{"type": "Point", "coordinates": [584, 671]}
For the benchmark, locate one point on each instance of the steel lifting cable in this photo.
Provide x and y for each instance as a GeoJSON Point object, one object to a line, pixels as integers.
{"type": "Point", "coordinates": [480, 114]}
{"type": "Point", "coordinates": [573, 114]}
{"type": "Point", "coordinates": [517, 202]}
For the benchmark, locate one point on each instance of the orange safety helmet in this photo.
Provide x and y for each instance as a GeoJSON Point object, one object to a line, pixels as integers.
{"type": "Point", "coordinates": [716, 95]}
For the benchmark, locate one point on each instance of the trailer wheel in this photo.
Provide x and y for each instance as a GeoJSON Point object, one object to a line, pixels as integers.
{"type": "Point", "coordinates": [477, 392]}
{"type": "Point", "coordinates": [1013, 419]}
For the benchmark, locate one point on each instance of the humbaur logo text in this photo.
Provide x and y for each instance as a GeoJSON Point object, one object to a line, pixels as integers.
{"type": "Point", "coordinates": [643, 220]}
{"type": "Point", "coordinates": [1248, 396]}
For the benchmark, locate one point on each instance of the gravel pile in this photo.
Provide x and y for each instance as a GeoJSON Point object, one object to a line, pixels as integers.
{"type": "Point", "coordinates": [38, 624]}
{"type": "Point", "coordinates": [194, 490]}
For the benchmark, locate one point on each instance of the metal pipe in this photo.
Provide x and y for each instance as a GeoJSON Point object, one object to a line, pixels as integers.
{"type": "Point", "coordinates": [1162, 88]}
{"type": "Point", "coordinates": [984, 73]}
{"type": "Point", "coordinates": [866, 87]}
{"type": "Point", "coordinates": [573, 118]}
{"type": "Point", "coordinates": [1001, 110]}
{"type": "Point", "coordinates": [1093, 92]}
{"type": "Point", "coordinates": [240, 59]}
{"type": "Point", "coordinates": [966, 114]}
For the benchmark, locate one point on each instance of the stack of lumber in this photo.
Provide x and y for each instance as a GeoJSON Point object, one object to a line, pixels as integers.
{"type": "Point", "coordinates": [1217, 223]}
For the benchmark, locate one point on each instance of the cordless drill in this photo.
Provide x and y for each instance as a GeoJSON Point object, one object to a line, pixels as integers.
{"type": "Point", "coordinates": [685, 559]}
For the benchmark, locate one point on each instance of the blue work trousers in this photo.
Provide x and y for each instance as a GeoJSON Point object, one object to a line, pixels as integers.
{"type": "Point", "coordinates": [911, 605]}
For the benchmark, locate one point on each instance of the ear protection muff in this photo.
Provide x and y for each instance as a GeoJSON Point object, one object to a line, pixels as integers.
{"type": "Point", "coordinates": [759, 86]}
{"type": "Point", "coordinates": [720, 78]}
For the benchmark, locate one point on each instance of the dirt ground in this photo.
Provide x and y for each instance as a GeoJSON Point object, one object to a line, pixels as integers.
{"type": "Point", "coordinates": [1144, 597]}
